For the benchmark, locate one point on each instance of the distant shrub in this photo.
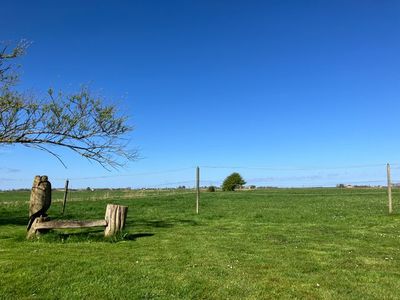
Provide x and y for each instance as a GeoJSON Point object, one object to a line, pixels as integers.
{"type": "Point", "coordinates": [232, 182]}
{"type": "Point", "coordinates": [211, 189]}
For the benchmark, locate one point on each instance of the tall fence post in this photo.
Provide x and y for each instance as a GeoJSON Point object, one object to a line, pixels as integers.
{"type": "Point", "coordinates": [65, 196]}
{"type": "Point", "coordinates": [389, 188]}
{"type": "Point", "coordinates": [197, 189]}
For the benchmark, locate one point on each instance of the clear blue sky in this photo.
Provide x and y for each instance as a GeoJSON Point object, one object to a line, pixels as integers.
{"type": "Point", "coordinates": [280, 84]}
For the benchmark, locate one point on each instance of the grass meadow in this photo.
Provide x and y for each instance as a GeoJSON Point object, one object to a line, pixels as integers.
{"type": "Point", "coordinates": [261, 244]}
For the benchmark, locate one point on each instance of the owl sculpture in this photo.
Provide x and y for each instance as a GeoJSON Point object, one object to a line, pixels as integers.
{"type": "Point", "coordinates": [40, 200]}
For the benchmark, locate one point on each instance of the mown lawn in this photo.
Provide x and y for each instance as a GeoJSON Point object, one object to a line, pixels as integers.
{"type": "Point", "coordinates": [283, 243]}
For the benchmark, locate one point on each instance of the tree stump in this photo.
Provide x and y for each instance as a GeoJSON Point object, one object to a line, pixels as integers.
{"type": "Point", "coordinates": [115, 217]}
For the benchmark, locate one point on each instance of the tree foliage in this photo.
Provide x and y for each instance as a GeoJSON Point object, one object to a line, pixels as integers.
{"type": "Point", "coordinates": [232, 182]}
{"type": "Point", "coordinates": [211, 189]}
{"type": "Point", "coordinates": [80, 121]}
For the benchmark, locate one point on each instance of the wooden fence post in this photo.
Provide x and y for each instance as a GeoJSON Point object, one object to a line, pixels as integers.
{"type": "Point", "coordinates": [115, 217]}
{"type": "Point", "coordinates": [389, 188]}
{"type": "Point", "coordinates": [65, 196]}
{"type": "Point", "coordinates": [197, 189]}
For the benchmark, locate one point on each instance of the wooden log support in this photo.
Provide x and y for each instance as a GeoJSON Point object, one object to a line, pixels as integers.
{"type": "Point", "coordinates": [115, 218]}
{"type": "Point", "coordinates": [33, 231]}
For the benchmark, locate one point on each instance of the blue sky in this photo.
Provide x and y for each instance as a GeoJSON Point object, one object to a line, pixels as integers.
{"type": "Point", "coordinates": [296, 87]}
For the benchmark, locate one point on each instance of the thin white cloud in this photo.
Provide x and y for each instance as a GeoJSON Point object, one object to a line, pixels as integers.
{"type": "Point", "coordinates": [10, 170]}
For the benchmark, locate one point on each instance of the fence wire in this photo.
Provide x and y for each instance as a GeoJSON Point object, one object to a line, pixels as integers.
{"type": "Point", "coordinates": [368, 175]}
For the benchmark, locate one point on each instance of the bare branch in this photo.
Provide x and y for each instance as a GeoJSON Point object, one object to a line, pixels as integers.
{"type": "Point", "coordinates": [48, 151]}
{"type": "Point", "coordinates": [8, 68]}
{"type": "Point", "coordinates": [81, 121]}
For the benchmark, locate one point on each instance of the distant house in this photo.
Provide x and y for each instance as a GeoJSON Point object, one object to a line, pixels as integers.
{"type": "Point", "coordinates": [347, 186]}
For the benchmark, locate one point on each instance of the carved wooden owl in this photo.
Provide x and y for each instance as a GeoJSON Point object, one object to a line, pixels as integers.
{"type": "Point", "coordinates": [40, 200]}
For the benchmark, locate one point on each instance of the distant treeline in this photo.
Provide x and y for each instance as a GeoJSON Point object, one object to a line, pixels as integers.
{"type": "Point", "coordinates": [250, 187]}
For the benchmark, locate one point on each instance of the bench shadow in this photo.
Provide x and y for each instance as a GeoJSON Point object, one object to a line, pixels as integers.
{"type": "Point", "coordinates": [96, 235]}
{"type": "Point", "coordinates": [168, 223]}
{"type": "Point", "coordinates": [135, 236]}
{"type": "Point", "coordinates": [164, 223]}
{"type": "Point", "coordinates": [13, 220]}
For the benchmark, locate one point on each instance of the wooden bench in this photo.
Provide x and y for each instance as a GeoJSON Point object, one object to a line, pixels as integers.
{"type": "Point", "coordinates": [113, 222]}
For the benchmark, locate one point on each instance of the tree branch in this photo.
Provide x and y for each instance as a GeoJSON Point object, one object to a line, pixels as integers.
{"type": "Point", "coordinates": [81, 121]}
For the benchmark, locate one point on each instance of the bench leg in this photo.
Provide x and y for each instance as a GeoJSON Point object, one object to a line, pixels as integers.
{"type": "Point", "coordinates": [115, 217]}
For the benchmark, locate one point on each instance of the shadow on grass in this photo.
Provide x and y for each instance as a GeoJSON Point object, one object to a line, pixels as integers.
{"type": "Point", "coordinates": [164, 223]}
{"type": "Point", "coordinates": [90, 236]}
{"type": "Point", "coordinates": [13, 220]}
{"type": "Point", "coordinates": [135, 236]}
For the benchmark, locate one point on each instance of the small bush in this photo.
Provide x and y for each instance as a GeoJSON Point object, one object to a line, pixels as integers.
{"type": "Point", "coordinates": [211, 189]}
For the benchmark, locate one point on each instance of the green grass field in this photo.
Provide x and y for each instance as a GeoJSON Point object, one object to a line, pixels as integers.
{"type": "Point", "coordinates": [269, 244]}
